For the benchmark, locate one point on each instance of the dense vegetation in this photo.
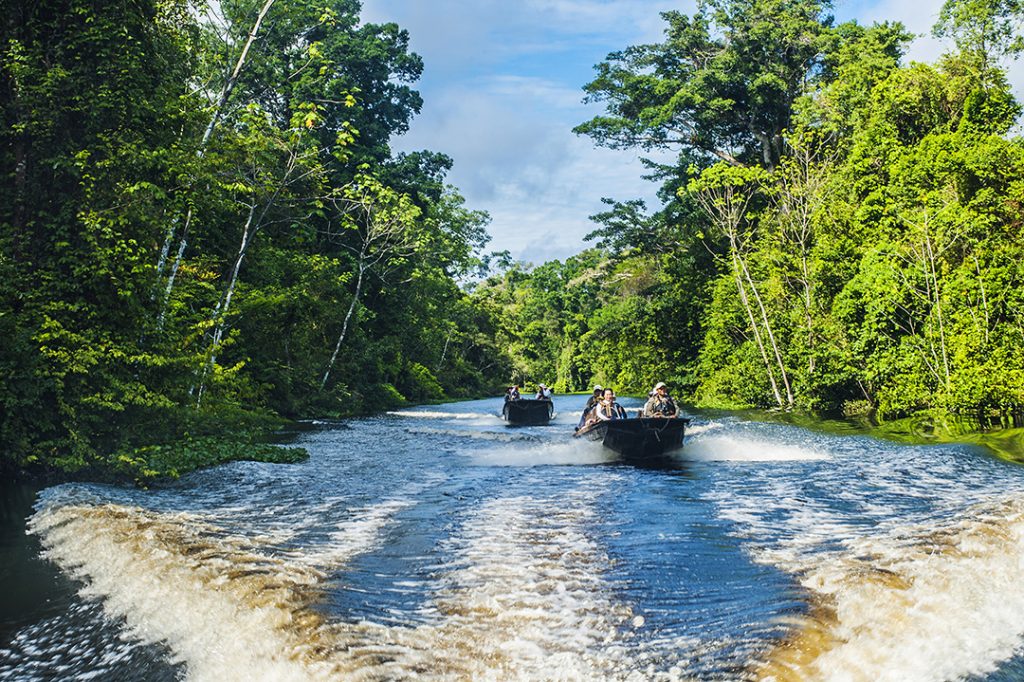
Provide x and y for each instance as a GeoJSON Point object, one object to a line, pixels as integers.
{"type": "Point", "coordinates": [841, 231]}
{"type": "Point", "coordinates": [202, 227]}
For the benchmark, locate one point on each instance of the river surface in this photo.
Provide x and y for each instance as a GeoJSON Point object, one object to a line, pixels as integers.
{"type": "Point", "coordinates": [439, 544]}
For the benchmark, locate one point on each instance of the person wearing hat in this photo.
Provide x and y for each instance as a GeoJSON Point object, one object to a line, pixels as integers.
{"type": "Point", "coordinates": [543, 392]}
{"type": "Point", "coordinates": [660, 404]}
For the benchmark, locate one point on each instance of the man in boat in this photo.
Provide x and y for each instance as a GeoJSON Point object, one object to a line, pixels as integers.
{"type": "Point", "coordinates": [660, 404]}
{"type": "Point", "coordinates": [591, 401]}
{"type": "Point", "coordinates": [543, 392]}
{"type": "Point", "coordinates": [608, 409]}
{"type": "Point", "coordinates": [512, 393]}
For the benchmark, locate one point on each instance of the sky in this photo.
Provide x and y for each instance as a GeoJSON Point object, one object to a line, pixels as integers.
{"type": "Point", "coordinates": [502, 90]}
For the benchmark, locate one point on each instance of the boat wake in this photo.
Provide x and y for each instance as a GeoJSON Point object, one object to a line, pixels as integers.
{"type": "Point", "coordinates": [724, 448]}
{"type": "Point", "coordinates": [521, 595]}
{"type": "Point", "coordinates": [569, 452]}
{"type": "Point", "coordinates": [914, 604]}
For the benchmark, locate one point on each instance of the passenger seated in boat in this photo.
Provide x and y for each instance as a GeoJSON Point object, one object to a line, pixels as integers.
{"type": "Point", "coordinates": [512, 393]}
{"type": "Point", "coordinates": [660, 404]}
{"type": "Point", "coordinates": [608, 409]}
{"type": "Point", "coordinates": [591, 401]}
{"type": "Point", "coordinates": [543, 392]}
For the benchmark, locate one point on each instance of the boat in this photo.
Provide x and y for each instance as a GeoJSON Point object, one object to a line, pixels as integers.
{"type": "Point", "coordinates": [527, 412]}
{"type": "Point", "coordinates": [638, 439]}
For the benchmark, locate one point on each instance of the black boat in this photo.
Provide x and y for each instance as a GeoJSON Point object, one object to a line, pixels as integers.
{"type": "Point", "coordinates": [527, 412]}
{"type": "Point", "coordinates": [638, 439]}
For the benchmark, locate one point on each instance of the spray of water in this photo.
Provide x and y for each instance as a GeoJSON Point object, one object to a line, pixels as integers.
{"type": "Point", "coordinates": [915, 604]}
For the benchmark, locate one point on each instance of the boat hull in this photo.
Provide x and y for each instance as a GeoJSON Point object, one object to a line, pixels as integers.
{"type": "Point", "coordinates": [527, 412]}
{"type": "Point", "coordinates": [640, 439]}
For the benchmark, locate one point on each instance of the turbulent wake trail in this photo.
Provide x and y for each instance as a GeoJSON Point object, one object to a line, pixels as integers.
{"type": "Point", "coordinates": [441, 545]}
{"type": "Point", "coordinates": [519, 596]}
{"type": "Point", "coordinates": [916, 604]}
{"type": "Point", "coordinates": [910, 558]}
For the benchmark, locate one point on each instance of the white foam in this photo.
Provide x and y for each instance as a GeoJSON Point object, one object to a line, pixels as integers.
{"type": "Point", "coordinates": [523, 596]}
{"type": "Point", "coordinates": [132, 560]}
{"type": "Point", "coordinates": [569, 452]}
{"type": "Point", "coordinates": [697, 429]}
{"type": "Point", "coordinates": [525, 599]}
{"type": "Point", "coordinates": [229, 607]}
{"type": "Point", "coordinates": [353, 536]}
{"type": "Point", "coordinates": [915, 604]}
{"type": "Point", "coordinates": [722, 448]}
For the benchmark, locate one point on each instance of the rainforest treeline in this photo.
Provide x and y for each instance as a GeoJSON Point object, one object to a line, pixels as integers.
{"type": "Point", "coordinates": [203, 227]}
{"type": "Point", "coordinates": [839, 230]}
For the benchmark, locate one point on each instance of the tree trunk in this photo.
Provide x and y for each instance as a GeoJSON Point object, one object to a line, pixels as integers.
{"type": "Point", "coordinates": [344, 326]}
{"type": "Point", "coordinates": [753, 325]}
{"type": "Point", "coordinates": [938, 308]}
{"type": "Point", "coordinates": [229, 86]}
{"type": "Point", "coordinates": [768, 331]}
{"type": "Point", "coordinates": [221, 311]}
{"type": "Point", "coordinates": [444, 352]}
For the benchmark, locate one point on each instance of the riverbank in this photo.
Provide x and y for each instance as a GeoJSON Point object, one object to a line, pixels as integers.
{"type": "Point", "coordinates": [256, 436]}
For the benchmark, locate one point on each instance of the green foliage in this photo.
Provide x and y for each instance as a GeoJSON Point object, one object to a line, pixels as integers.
{"type": "Point", "coordinates": [863, 218]}
{"type": "Point", "coordinates": [179, 249]}
{"type": "Point", "coordinates": [722, 84]}
{"type": "Point", "coordinates": [157, 463]}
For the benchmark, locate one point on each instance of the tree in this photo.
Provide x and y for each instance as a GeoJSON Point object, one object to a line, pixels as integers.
{"type": "Point", "coordinates": [722, 84]}
{"type": "Point", "coordinates": [383, 222]}
{"type": "Point", "coordinates": [988, 30]}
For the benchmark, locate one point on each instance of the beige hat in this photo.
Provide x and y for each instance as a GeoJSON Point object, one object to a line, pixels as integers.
{"type": "Point", "coordinates": [660, 384]}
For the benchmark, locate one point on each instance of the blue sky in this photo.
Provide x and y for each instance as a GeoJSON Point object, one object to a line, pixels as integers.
{"type": "Point", "coordinates": [502, 90]}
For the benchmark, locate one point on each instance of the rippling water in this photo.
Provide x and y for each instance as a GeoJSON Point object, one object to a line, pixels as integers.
{"type": "Point", "coordinates": [439, 544]}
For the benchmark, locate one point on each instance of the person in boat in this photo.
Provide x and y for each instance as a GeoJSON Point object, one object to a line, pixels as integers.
{"type": "Point", "coordinates": [660, 404]}
{"type": "Point", "coordinates": [512, 393]}
{"type": "Point", "coordinates": [543, 392]}
{"type": "Point", "coordinates": [591, 401]}
{"type": "Point", "coordinates": [608, 409]}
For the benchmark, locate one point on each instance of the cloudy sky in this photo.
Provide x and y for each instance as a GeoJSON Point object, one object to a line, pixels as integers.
{"type": "Point", "coordinates": [502, 90]}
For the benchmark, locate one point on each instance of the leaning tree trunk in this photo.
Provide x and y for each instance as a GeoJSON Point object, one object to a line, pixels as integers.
{"type": "Point", "coordinates": [771, 336]}
{"type": "Point", "coordinates": [753, 326]}
{"type": "Point", "coordinates": [225, 94]}
{"type": "Point", "coordinates": [344, 326]}
{"type": "Point", "coordinates": [221, 311]}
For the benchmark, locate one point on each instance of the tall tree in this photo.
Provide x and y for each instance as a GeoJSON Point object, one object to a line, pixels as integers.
{"type": "Point", "coordinates": [722, 84]}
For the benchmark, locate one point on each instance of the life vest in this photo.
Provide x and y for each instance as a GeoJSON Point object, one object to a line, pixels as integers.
{"type": "Point", "coordinates": [657, 406]}
{"type": "Point", "coordinates": [607, 412]}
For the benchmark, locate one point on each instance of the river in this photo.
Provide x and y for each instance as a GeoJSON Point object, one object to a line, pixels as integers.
{"type": "Point", "coordinates": [438, 544]}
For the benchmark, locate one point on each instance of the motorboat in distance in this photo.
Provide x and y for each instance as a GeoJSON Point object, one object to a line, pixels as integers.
{"type": "Point", "coordinates": [528, 412]}
{"type": "Point", "coordinates": [638, 439]}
